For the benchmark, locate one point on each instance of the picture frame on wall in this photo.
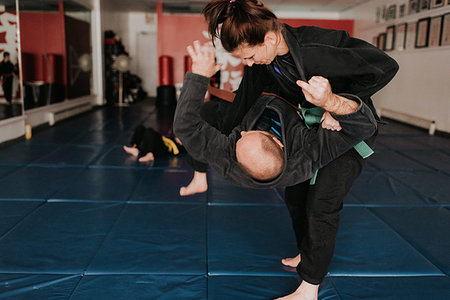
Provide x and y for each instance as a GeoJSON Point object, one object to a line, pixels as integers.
{"type": "Point", "coordinates": [381, 41]}
{"type": "Point", "coordinates": [422, 33]}
{"type": "Point", "coordinates": [375, 41]}
{"type": "Point", "coordinates": [424, 5]}
{"type": "Point", "coordinates": [378, 15]}
{"type": "Point", "coordinates": [402, 10]}
{"type": "Point", "coordinates": [410, 36]}
{"type": "Point", "coordinates": [435, 31]}
{"type": "Point", "coordinates": [391, 12]}
{"type": "Point", "coordinates": [413, 7]}
{"type": "Point", "coordinates": [390, 38]}
{"type": "Point", "coordinates": [437, 3]}
{"type": "Point", "coordinates": [400, 36]}
{"type": "Point", "coordinates": [445, 36]}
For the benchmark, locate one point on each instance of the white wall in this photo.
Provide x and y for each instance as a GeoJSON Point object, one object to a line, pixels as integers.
{"type": "Point", "coordinates": [138, 32]}
{"type": "Point", "coordinates": [422, 86]}
{"type": "Point", "coordinates": [115, 20]}
{"type": "Point", "coordinates": [143, 49]}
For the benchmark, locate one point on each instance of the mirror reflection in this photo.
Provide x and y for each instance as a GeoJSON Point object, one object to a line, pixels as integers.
{"type": "Point", "coordinates": [10, 93]}
{"type": "Point", "coordinates": [56, 51]}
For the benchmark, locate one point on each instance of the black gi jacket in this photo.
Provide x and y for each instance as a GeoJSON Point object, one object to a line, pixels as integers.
{"type": "Point", "coordinates": [351, 65]}
{"type": "Point", "coordinates": [306, 150]}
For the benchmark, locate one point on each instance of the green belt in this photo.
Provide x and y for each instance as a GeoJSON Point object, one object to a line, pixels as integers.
{"type": "Point", "coordinates": [313, 116]}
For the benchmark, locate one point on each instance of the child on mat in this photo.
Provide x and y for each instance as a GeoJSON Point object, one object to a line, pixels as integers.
{"type": "Point", "coordinates": [150, 144]}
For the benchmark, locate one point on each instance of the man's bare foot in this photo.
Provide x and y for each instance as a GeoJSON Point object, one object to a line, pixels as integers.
{"type": "Point", "coordinates": [291, 261]}
{"type": "Point", "coordinates": [131, 150]}
{"type": "Point", "coordinates": [148, 157]}
{"type": "Point", "coordinates": [305, 291]}
{"type": "Point", "coordinates": [199, 184]}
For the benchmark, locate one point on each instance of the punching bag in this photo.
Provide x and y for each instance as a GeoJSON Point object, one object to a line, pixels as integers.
{"type": "Point", "coordinates": [166, 93]}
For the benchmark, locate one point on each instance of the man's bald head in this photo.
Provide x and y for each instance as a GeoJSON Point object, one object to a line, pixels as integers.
{"type": "Point", "coordinates": [260, 155]}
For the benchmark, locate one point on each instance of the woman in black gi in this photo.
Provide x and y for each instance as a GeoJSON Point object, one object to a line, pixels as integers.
{"type": "Point", "coordinates": [276, 56]}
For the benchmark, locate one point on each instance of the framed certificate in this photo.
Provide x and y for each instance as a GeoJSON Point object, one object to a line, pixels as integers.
{"type": "Point", "coordinates": [422, 32]}
{"type": "Point", "coordinates": [413, 7]}
{"type": "Point", "coordinates": [437, 3]}
{"type": "Point", "coordinates": [445, 37]}
{"type": "Point", "coordinates": [400, 36]}
{"type": "Point", "coordinates": [390, 38]}
{"type": "Point", "coordinates": [434, 39]}
{"type": "Point", "coordinates": [424, 5]}
{"type": "Point", "coordinates": [401, 10]}
{"type": "Point", "coordinates": [381, 41]}
{"type": "Point", "coordinates": [410, 35]}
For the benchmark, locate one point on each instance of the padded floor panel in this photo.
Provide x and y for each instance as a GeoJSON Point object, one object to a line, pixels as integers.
{"type": "Point", "coordinates": [24, 153]}
{"type": "Point", "coordinates": [57, 136]}
{"type": "Point", "coordinates": [117, 157]}
{"type": "Point", "coordinates": [36, 182]}
{"type": "Point", "coordinates": [156, 239]}
{"type": "Point", "coordinates": [404, 143]}
{"type": "Point", "coordinates": [249, 240]}
{"type": "Point", "coordinates": [58, 238]}
{"type": "Point", "coordinates": [432, 185]}
{"type": "Point", "coordinates": [393, 128]}
{"type": "Point", "coordinates": [141, 287]}
{"type": "Point", "coordinates": [12, 212]}
{"type": "Point", "coordinates": [438, 160]}
{"type": "Point", "coordinates": [263, 288]}
{"type": "Point", "coordinates": [37, 286]}
{"type": "Point", "coordinates": [391, 160]}
{"type": "Point", "coordinates": [102, 184]}
{"type": "Point", "coordinates": [392, 288]}
{"type": "Point", "coordinates": [97, 137]}
{"type": "Point", "coordinates": [426, 228]}
{"type": "Point", "coordinates": [6, 170]}
{"type": "Point", "coordinates": [222, 191]}
{"type": "Point", "coordinates": [71, 155]}
{"type": "Point", "coordinates": [377, 188]}
{"type": "Point", "coordinates": [366, 246]}
{"type": "Point", "coordinates": [163, 186]}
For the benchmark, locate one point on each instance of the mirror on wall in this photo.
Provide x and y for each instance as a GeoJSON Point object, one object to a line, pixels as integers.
{"type": "Point", "coordinates": [10, 92]}
{"type": "Point", "coordinates": [56, 51]}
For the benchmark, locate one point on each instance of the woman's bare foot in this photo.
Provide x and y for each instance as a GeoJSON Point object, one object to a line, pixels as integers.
{"type": "Point", "coordinates": [291, 261]}
{"type": "Point", "coordinates": [148, 157]}
{"type": "Point", "coordinates": [131, 150]}
{"type": "Point", "coordinates": [305, 291]}
{"type": "Point", "coordinates": [199, 184]}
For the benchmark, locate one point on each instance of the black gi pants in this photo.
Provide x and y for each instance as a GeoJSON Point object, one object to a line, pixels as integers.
{"type": "Point", "coordinates": [7, 87]}
{"type": "Point", "coordinates": [315, 209]}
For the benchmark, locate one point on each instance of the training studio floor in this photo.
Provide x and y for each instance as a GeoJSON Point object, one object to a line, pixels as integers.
{"type": "Point", "coordinates": [79, 219]}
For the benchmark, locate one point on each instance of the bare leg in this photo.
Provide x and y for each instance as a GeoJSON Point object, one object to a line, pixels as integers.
{"type": "Point", "coordinates": [148, 157]}
{"type": "Point", "coordinates": [131, 150]}
{"type": "Point", "coordinates": [291, 261]}
{"type": "Point", "coordinates": [199, 184]}
{"type": "Point", "coordinates": [305, 291]}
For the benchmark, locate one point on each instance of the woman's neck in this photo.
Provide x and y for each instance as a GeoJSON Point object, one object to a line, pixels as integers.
{"type": "Point", "coordinates": [282, 47]}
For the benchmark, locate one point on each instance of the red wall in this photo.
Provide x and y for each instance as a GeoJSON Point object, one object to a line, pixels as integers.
{"type": "Point", "coordinates": [175, 33]}
{"type": "Point", "coordinates": [41, 33]}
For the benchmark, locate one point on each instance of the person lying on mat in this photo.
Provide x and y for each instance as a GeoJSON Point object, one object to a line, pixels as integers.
{"type": "Point", "coordinates": [150, 144]}
{"type": "Point", "coordinates": [272, 147]}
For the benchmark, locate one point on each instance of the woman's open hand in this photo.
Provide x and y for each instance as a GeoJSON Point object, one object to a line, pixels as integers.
{"type": "Point", "coordinates": [203, 59]}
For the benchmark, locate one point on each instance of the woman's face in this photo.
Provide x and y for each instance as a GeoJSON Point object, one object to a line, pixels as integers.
{"type": "Point", "coordinates": [262, 54]}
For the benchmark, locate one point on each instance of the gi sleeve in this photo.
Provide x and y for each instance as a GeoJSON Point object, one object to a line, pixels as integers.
{"type": "Point", "coordinates": [200, 139]}
{"type": "Point", "coordinates": [350, 64]}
